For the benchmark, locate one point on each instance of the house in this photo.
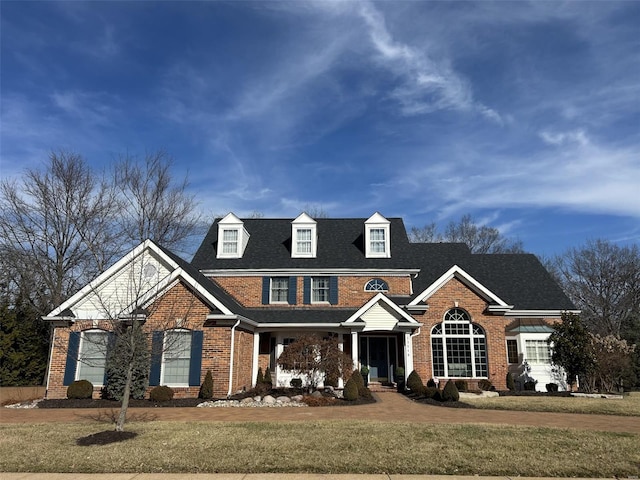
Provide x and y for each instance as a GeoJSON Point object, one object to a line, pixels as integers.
{"type": "Point", "coordinates": [255, 284]}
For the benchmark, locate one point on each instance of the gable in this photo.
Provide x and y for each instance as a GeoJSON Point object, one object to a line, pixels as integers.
{"type": "Point", "coordinates": [381, 314]}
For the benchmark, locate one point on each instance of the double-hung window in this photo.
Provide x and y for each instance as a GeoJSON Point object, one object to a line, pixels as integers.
{"type": "Point", "coordinates": [303, 241]}
{"type": "Point", "coordinates": [230, 242]}
{"type": "Point", "coordinates": [319, 289]}
{"type": "Point", "coordinates": [377, 241]}
{"type": "Point", "coordinates": [176, 357]}
{"type": "Point", "coordinates": [538, 351]}
{"type": "Point", "coordinates": [92, 356]}
{"type": "Point", "coordinates": [279, 289]}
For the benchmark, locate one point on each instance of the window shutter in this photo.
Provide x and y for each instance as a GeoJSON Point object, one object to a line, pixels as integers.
{"type": "Point", "coordinates": [266, 286]}
{"type": "Point", "coordinates": [333, 290]}
{"type": "Point", "coordinates": [293, 287]}
{"type": "Point", "coordinates": [72, 358]}
{"type": "Point", "coordinates": [195, 363]}
{"type": "Point", "coordinates": [307, 291]}
{"type": "Point", "coordinates": [156, 358]}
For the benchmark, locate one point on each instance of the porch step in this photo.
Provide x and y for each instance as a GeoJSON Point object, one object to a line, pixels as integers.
{"type": "Point", "coordinates": [382, 387]}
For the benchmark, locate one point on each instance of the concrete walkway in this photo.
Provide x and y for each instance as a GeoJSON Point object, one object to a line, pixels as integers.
{"type": "Point", "coordinates": [390, 407]}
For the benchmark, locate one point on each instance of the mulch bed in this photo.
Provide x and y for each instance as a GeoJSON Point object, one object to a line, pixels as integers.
{"type": "Point", "coordinates": [99, 403]}
{"type": "Point", "coordinates": [105, 438]}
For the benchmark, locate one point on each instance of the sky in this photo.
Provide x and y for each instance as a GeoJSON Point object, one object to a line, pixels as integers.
{"type": "Point", "coordinates": [525, 115]}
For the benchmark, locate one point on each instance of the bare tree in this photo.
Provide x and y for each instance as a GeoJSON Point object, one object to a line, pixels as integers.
{"type": "Point", "coordinates": [156, 206]}
{"type": "Point", "coordinates": [479, 239]}
{"type": "Point", "coordinates": [603, 280]}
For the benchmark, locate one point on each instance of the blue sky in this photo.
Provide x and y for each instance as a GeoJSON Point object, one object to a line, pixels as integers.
{"type": "Point", "coordinates": [526, 115]}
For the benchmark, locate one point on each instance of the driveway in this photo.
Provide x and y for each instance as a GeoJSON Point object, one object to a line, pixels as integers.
{"type": "Point", "coordinates": [390, 407]}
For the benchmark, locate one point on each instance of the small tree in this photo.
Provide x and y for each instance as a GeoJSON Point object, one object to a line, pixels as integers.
{"type": "Point", "coordinates": [450, 392]}
{"type": "Point", "coordinates": [206, 389]}
{"type": "Point", "coordinates": [572, 347]}
{"type": "Point", "coordinates": [259, 377]}
{"type": "Point", "coordinates": [613, 363]}
{"type": "Point", "coordinates": [314, 358]}
{"type": "Point", "coordinates": [128, 348]}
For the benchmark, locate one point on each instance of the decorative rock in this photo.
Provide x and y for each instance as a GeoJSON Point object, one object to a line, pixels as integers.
{"type": "Point", "coordinates": [269, 400]}
{"type": "Point", "coordinates": [283, 399]}
{"type": "Point", "coordinates": [247, 400]}
{"type": "Point", "coordinates": [316, 394]}
{"type": "Point", "coordinates": [296, 398]}
{"type": "Point", "coordinates": [257, 398]}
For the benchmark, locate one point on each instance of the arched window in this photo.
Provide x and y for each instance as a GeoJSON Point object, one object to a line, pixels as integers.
{"type": "Point", "coordinates": [458, 347]}
{"type": "Point", "coordinates": [376, 285]}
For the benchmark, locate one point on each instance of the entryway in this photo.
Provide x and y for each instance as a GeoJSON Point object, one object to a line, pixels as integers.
{"type": "Point", "coordinates": [379, 354]}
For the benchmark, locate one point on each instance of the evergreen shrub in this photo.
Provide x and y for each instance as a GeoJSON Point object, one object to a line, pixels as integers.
{"type": "Point", "coordinates": [431, 383]}
{"type": "Point", "coordinates": [433, 393]}
{"type": "Point", "coordinates": [206, 389]}
{"type": "Point", "coordinates": [296, 383]}
{"type": "Point", "coordinates": [350, 391]}
{"type": "Point", "coordinates": [259, 377]}
{"type": "Point", "coordinates": [530, 385]}
{"type": "Point", "coordinates": [552, 387]}
{"type": "Point", "coordinates": [511, 383]}
{"type": "Point", "coordinates": [450, 392]}
{"type": "Point", "coordinates": [484, 384]}
{"type": "Point", "coordinates": [80, 389]}
{"type": "Point", "coordinates": [128, 347]}
{"type": "Point", "coordinates": [161, 394]}
{"type": "Point", "coordinates": [462, 386]}
{"type": "Point", "coordinates": [414, 382]}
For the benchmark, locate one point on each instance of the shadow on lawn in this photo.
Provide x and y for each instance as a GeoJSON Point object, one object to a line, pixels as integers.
{"type": "Point", "coordinates": [110, 416]}
{"type": "Point", "coordinates": [105, 438]}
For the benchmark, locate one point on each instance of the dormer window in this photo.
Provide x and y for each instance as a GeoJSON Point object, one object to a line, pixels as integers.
{"type": "Point", "coordinates": [376, 236]}
{"type": "Point", "coordinates": [304, 237]}
{"type": "Point", "coordinates": [232, 237]}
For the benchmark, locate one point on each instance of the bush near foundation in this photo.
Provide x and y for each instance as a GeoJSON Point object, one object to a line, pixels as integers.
{"type": "Point", "coordinates": [80, 389]}
{"type": "Point", "coordinates": [485, 385]}
{"type": "Point", "coordinates": [433, 393]}
{"type": "Point", "coordinates": [161, 394]}
{"type": "Point", "coordinates": [511, 383]}
{"type": "Point", "coordinates": [450, 392]}
{"type": "Point", "coordinates": [206, 389]}
{"type": "Point", "coordinates": [350, 392]}
{"type": "Point", "coordinates": [414, 382]}
{"type": "Point", "coordinates": [462, 386]}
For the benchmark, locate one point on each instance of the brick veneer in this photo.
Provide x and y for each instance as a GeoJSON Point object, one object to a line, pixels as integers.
{"type": "Point", "coordinates": [248, 290]}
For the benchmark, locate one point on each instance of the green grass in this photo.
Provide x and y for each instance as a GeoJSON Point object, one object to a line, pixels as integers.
{"type": "Point", "coordinates": [629, 405]}
{"type": "Point", "coordinates": [323, 447]}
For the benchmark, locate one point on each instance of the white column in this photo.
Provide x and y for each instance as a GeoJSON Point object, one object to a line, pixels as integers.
{"type": "Point", "coordinates": [408, 354]}
{"type": "Point", "coordinates": [256, 350]}
{"type": "Point", "coordinates": [354, 350]}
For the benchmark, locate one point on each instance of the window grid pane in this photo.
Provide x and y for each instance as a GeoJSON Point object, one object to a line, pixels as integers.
{"type": "Point", "coordinates": [512, 351]}
{"type": "Point", "coordinates": [92, 357]}
{"type": "Point", "coordinates": [538, 351]}
{"type": "Point", "coordinates": [303, 240]}
{"type": "Point", "coordinates": [177, 358]}
{"type": "Point", "coordinates": [230, 241]}
{"type": "Point", "coordinates": [320, 289]}
{"type": "Point", "coordinates": [376, 285]}
{"type": "Point", "coordinates": [377, 240]}
{"type": "Point", "coordinates": [456, 328]}
{"type": "Point", "coordinates": [438, 357]}
{"type": "Point", "coordinates": [459, 357]}
{"type": "Point", "coordinates": [279, 289]}
{"type": "Point", "coordinates": [480, 354]}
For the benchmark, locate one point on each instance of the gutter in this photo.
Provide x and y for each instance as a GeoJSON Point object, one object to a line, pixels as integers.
{"type": "Point", "coordinates": [233, 338]}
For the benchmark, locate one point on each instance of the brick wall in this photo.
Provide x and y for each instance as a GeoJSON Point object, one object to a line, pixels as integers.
{"type": "Point", "coordinates": [494, 327]}
{"type": "Point", "coordinates": [248, 290]}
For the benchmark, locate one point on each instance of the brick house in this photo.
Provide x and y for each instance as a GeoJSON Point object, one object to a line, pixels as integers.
{"type": "Point", "coordinates": [255, 284]}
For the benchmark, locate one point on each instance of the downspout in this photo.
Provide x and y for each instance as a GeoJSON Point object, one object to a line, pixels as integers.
{"type": "Point", "coordinates": [233, 338]}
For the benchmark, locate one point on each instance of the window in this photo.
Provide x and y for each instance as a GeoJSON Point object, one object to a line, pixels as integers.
{"type": "Point", "coordinates": [303, 241]}
{"type": "Point", "coordinates": [92, 356]}
{"type": "Point", "coordinates": [230, 242]}
{"type": "Point", "coordinates": [512, 351]}
{"type": "Point", "coordinates": [319, 289]}
{"type": "Point", "coordinates": [376, 285]}
{"type": "Point", "coordinates": [538, 351]}
{"type": "Point", "coordinates": [176, 357]}
{"type": "Point", "coordinates": [279, 289]}
{"type": "Point", "coordinates": [459, 347]}
{"type": "Point", "coordinates": [376, 237]}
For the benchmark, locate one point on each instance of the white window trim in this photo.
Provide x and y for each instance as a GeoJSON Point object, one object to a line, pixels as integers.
{"type": "Point", "coordinates": [230, 223]}
{"type": "Point", "coordinates": [376, 290]}
{"type": "Point", "coordinates": [328, 290]}
{"type": "Point", "coordinates": [278, 302]}
{"type": "Point", "coordinates": [377, 222]}
{"type": "Point", "coordinates": [79, 361]}
{"type": "Point", "coordinates": [304, 222]}
{"type": "Point", "coordinates": [535, 361]}
{"type": "Point", "coordinates": [164, 351]}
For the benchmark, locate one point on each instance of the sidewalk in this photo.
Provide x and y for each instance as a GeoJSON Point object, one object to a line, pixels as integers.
{"type": "Point", "coordinates": [242, 476]}
{"type": "Point", "coordinates": [390, 407]}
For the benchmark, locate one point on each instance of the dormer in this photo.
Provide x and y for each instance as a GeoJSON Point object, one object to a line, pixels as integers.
{"type": "Point", "coordinates": [304, 237]}
{"type": "Point", "coordinates": [376, 237]}
{"type": "Point", "coordinates": [232, 237]}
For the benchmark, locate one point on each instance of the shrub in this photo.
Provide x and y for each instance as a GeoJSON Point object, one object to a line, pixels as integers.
{"type": "Point", "coordinates": [511, 383]}
{"type": "Point", "coordinates": [128, 348]}
{"type": "Point", "coordinates": [312, 401]}
{"type": "Point", "coordinates": [431, 383]}
{"type": "Point", "coordinates": [414, 382]}
{"type": "Point", "coordinates": [484, 384]}
{"type": "Point", "coordinates": [357, 377]}
{"type": "Point", "coordinates": [450, 392]}
{"type": "Point", "coordinates": [364, 371]}
{"type": "Point", "coordinates": [80, 389]}
{"type": "Point", "coordinates": [462, 386]}
{"type": "Point", "coordinates": [206, 389]}
{"type": "Point", "coordinates": [296, 383]}
{"type": "Point", "coordinates": [433, 393]}
{"type": "Point", "coordinates": [161, 394]}
{"type": "Point", "coordinates": [552, 387]}
{"type": "Point", "coordinates": [399, 372]}
{"type": "Point", "coordinates": [350, 392]}
{"type": "Point", "coordinates": [259, 377]}
{"type": "Point", "coordinates": [530, 385]}
{"type": "Point", "coordinates": [267, 378]}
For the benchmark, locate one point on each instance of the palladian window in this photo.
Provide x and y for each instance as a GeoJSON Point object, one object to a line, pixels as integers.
{"type": "Point", "coordinates": [459, 347]}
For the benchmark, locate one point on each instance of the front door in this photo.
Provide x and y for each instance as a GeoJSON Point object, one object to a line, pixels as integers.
{"type": "Point", "coordinates": [378, 359]}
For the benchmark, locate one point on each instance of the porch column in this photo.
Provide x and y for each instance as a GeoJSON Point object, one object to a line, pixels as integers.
{"type": "Point", "coordinates": [256, 350]}
{"type": "Point", "coordinates": [354, 350]}
{"type": "Point", "coordinates": [341, 348]}
{"type": "Point", "coordinates": [408, 354]}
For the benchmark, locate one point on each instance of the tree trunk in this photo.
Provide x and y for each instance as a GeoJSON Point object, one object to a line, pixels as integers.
{"type": "Point", "coordinates": [122, 416]}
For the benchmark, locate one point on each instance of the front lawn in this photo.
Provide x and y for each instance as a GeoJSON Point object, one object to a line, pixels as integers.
{"type": "Point", "coordinates": [322, 447]}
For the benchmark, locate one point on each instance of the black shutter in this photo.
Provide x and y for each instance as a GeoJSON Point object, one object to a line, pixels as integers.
{"type": "Point", "coordinates": [156, 358]}
{"type": "Point", "coordinates": [72, 358]}
{"type": "Point", "coordinates": [293, 290]}
{"type": "Point", "coordinates": [195, 362]}
{"type": "Point", "coordinates": [333, 290]}
{"type": "Point", "coordinates": [266, 287]}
